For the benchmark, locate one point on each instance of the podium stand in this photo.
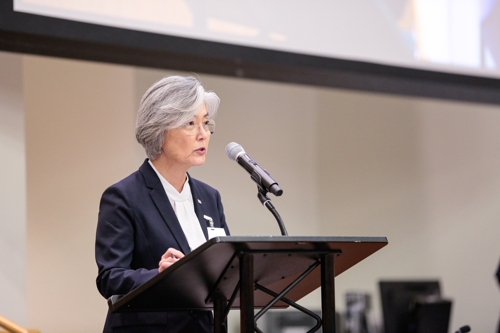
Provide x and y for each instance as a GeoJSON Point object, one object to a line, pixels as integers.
{"type": "Point", "coordinates": [251, 272]}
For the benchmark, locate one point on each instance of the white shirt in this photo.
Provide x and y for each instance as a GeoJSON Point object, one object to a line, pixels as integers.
{"type": "Point", "coordinates": [183, 206]}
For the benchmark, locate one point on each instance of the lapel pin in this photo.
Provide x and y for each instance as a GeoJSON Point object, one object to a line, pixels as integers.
{"type": "Point", "coordinates": [199, 201]}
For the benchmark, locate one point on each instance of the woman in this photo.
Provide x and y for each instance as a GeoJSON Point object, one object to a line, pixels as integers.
{"type": "Point", "coordinates": [155, 216]}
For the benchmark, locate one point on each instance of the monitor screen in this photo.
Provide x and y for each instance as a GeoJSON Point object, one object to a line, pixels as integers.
{"type": "Point", "coordinates": [439, 35]}
{"type": "Point", "coordinates": [398, 299]}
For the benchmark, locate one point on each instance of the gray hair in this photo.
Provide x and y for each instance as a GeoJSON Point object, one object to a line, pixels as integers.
{"type": "Point", "coordinates": [170, 103]}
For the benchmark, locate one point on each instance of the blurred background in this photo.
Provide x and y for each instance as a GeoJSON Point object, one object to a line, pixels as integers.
{"type": "Point", "coordinates": [423, 172]}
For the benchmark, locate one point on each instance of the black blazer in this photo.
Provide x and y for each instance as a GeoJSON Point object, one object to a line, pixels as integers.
{"type": "Point", "coordinates": [136, 226]}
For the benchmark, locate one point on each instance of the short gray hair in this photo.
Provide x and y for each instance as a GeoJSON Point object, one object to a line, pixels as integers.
{"type": "Point", "coordinates": [170, 103]}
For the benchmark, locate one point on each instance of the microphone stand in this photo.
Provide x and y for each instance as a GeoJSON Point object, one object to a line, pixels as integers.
{"type": "Point", "coordinates": [264, 199]}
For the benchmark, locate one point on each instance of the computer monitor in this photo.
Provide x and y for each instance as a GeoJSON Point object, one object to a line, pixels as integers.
{"type": "Point", "coordinates": [399, 302]}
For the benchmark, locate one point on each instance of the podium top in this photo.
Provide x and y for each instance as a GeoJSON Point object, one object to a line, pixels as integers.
{"type": "Point", "coordinates": [214, 268]}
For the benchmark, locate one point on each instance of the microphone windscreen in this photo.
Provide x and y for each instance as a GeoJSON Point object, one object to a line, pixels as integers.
{"type": "Point", "coordinates": [233, 150]}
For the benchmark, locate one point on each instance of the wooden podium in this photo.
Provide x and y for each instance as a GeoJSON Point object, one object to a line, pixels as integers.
{"type": "Point", "coordinates": [252, 272]}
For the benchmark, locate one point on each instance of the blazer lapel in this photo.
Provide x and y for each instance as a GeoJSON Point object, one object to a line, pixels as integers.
{"type": "Point", "coordinates": [198, 207]}
{"type": "Point", "coordinates": [163, 205]}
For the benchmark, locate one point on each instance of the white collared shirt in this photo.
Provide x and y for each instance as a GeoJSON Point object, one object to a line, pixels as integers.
{"type": "Point", "coordinates": [183, 206]}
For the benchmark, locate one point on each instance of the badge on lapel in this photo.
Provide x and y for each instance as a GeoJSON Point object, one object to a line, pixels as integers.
{"type": "Point", "coordinates": [212, 231]}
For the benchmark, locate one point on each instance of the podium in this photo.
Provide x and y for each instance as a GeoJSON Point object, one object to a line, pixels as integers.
{"type": "Point", "coordinates": [250, 273]}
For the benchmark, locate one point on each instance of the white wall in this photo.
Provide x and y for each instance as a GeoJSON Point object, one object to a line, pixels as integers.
{"type": "Point", "coordinates": [424, 173]}
{"type": "Point", "coordinates": [12, 190]}
{"type": "Point", "coordinates": [421, 172]}
{"type": "Point", "coordinates": [79, 140]}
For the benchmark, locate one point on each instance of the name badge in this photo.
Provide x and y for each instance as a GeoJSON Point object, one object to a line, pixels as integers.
{"type": "Point", "coordinates": [212, 231]}
{"type": "Point", "coordinates": [216, 232]}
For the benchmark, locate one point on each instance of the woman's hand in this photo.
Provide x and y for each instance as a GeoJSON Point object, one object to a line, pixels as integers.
{"type": "Point", "coordinates": [168, 258]}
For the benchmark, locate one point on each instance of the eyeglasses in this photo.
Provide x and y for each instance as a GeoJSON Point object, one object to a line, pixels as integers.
{"type": "Point", "coordinates": [192, 129]}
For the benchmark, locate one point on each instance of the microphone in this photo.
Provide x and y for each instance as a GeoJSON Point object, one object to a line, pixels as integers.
{"type": "Point", "coordinates": [463, 329]}
{"type": "Point", "coordinates": [263, 179]}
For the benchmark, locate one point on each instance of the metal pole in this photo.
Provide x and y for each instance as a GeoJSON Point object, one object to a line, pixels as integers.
{"type": "Point", "coordinates": [219, 320]}
{"type": "Point", "coordinates": [328, 292]}
{"type": "Point", "coordinates": [246, 294]}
